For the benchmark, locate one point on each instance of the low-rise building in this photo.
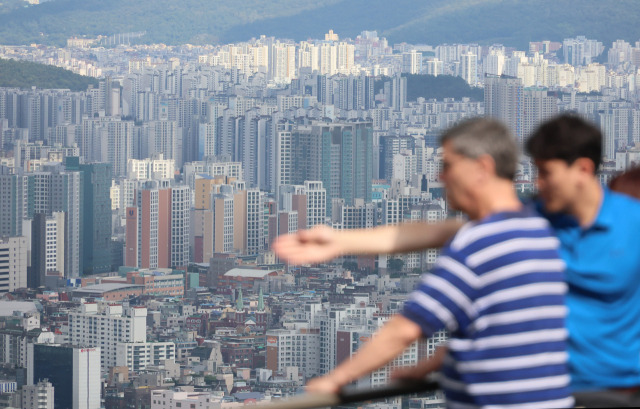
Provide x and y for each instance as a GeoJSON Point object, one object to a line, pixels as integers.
{"type": "Point", "coordinates": [109, 291]}
{"type": "Point", "coordinates": [245, 277]}
{"type": "Point", "coordinates": [138, 355]}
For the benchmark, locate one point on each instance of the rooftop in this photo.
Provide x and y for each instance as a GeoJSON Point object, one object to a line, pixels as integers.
{"type": "Point", "coordinates": [104, 288]}
{"type": "Point", "coordinates": [248, 272]}
{"type": "Point", "coordinates": [8, 307]}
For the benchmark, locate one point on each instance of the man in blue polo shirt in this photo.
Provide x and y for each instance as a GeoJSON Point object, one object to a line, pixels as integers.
{"type": "Point", "coordinates": [498, 288]}
{"type": "Point", "coordinates": [598, 231]}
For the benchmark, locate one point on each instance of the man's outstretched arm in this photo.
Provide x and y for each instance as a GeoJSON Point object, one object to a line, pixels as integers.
{"type": "Point", "coordinates": [322, 243]}
{"type": "Point", "coordinates": [422, 368]}
{"type": "Point", "coordinates": [389, 342]}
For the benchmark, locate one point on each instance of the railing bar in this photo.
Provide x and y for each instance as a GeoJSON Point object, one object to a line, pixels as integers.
{"type": "Point", "coordinates": [306, 401]}
{"type": "Point", "coordinates": [350, 395]}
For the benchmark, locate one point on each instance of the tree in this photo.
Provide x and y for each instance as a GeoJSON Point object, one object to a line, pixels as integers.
{"type": "Point", "coordinates": [350, 265]}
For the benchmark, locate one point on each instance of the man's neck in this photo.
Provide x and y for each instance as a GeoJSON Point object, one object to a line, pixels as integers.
{"type": "Point", "coordinates": [586, 206]}
{"type": "Point", "coordinates": [500, 197]}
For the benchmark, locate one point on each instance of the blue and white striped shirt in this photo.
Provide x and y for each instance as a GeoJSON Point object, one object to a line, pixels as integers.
{"type": "Point", "coordinates": [499, 289]}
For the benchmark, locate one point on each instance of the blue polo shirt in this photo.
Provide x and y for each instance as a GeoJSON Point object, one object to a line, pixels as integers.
{"type": "Point", "coordinates": [603, 274]}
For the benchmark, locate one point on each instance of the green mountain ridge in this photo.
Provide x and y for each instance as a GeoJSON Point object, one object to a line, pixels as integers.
{"type": "Point", "coordinates": [511, 22]}
{"type": "Point", "coordinates": [25, 74]}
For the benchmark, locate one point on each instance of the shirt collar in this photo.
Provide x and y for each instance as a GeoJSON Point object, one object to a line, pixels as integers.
{"type": "Point", "coordinates": [606, 217]}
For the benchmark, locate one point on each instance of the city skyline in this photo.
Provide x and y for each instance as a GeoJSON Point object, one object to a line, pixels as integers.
{"type": "Point", "coordinates": [137, 216]}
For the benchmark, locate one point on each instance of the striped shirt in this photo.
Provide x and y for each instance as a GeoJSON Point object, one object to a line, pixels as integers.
{"type": "Point", "coordinates": [499, 289]}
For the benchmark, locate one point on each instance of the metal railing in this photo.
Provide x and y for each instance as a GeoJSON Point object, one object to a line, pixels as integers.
{"type": "Point", "coordinates": [350, 394]}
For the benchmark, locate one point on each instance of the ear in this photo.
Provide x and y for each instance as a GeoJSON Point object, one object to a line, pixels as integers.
{"type": "Point", "coordinates": [487, 165]}
{"type": "Point", "coordinates": [585, 166]}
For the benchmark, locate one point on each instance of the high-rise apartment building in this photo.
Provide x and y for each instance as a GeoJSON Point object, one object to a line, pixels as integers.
{"type": "Point", "coordinates": [283, 163]}
{"type": "Point", "coordinates": [434, 67]}
{"type": "Point", "coordinates": [13, 263]}
{"type": "Point", "coordinates": [340, 155]}
{"type": "Point", "coordinates": [155, 167]}
{"type": "Point", "coordinates": [316, 203]}
{"type": "Point", "coordinates": [67, 197]}
{"type": "Point", "coordinates": [521, 109]}
{"type": "Point", "coordinates": [282, 62]}
{"type": "Point", "coordinates": [297, 346]}
{"type": "Point", "coordinates": [580, 50]}
{"type": "Point", "coordinates": [494, 62]}
{"type": "Point", "coordinates": [255, 221]}
{"type": "Point", "coordinates": [47, 248]}
{"type": "Point", "coordinates": [253, 132]}
{"type": "Point", "coordinates": [116, 146]}
{"type": "Point", "coordinates": [538, 107]}
{"type": "Point", "coordinates": [358, 216]}
{"type": "Point", "coordinates": [157, 227]}
{"type": "Point", "coordinates": [504, 100]}
{"type": "Point", "coordinates": [412, 62]}
{"type": "Point", "coordinates": [223, 211]}
{"type": "Point", "coordinates": [469, 68]}
{"type": "Point", "coordinates": [105, 326]}
{"type": "Point", "coordinates": [206, 140]}
{"type": "Point", "coordinates": [14, 201]}
{"type": "Point", "coordinates": [136, 356]}
{"type": "Point", "coordinates": [615, 123]}
{"type": "Point", "coordinates": [165, 137]}
{"type": "Point", "coordinates": [96, 221]}
{"type": "Point", "coordinates": [391, 145]}
{"type": "Point", "coordinates": [180, 225]}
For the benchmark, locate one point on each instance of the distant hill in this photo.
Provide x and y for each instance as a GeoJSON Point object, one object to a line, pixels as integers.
{"type": "Point", "coordinates": [25, 74]}
{"type": "Point", "coordinates": [166, 21]}
{"type": "Point", "coordinates": [511, 22]}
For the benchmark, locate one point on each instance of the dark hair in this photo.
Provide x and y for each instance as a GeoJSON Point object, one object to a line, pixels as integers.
{"type": "Point", "coordinates": [627, 183]}
{"type": "Point", "coordinates": [475, 137]}
{"type": "Point", "coordinates": [566, 137]}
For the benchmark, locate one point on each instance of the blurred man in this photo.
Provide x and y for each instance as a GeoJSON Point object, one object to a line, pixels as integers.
{"type": "Point", "coordinates": [598, 232]}
{"type": "Point", "coordinates": [498, 287]}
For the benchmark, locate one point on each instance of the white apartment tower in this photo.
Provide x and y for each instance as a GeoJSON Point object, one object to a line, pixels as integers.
{"type": "Point", "coordinates": [180, 222]}
{"type": "Point", "coordinates": [412, 62]}
{"type": "Point", "coordinates": [206, 140]}
{"type": "Point", "coordinates": [297, 346]}
{"type": "Point", "coordinates": [156, 167]}
{"type": "Point", "coordinates": [106, 326]}
{"type": "Point", "coordinates": [469, 68]}
{"type": "Point", "coordinates": [283, 160]}
{"type": "Point", "coordinates": [138, 355]}
{"type": "Point", "coordinates": [13, 263]}
{"type": "Point", "coordinates": [316, 203]}
{"type": "Point", "coordinates": [54, 238]}
{"type": "Point", "coordinates": [255, 221]}
{"type": "Point", "coordinates": [165, 137]}
{"type": "Point", "coordinates": [117, 145]}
